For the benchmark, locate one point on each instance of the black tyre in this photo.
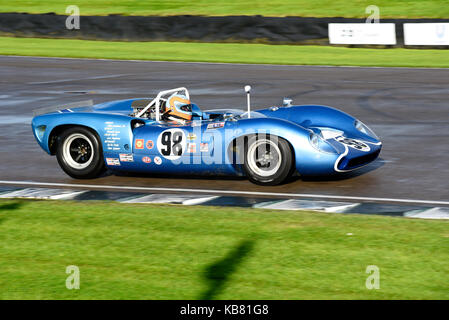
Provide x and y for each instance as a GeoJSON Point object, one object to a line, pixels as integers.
{"type": "Point", "coordinates": [80, 154]}
{"type": "Point", "coordinates": [268, 160]}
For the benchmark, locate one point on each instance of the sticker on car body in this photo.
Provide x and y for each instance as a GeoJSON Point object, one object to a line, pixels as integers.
{"type": "Point", "coordinates": [126, 157]}
{"type": "Point", "coordinates": [139, 144]}
{"type": "Point", "coordinates": [191, 147]}
{"type": "Point", "coordinates": [150, 144]}
{"type": "Point", "coordinates": [204, 147]}
{"type": "Point", "coordinates": [112, 161]}
{"type": "Point", "coordinates": [112, 135]}
{"type": "Point", "coordinates": [215, 125]}
{"type": "Point", "coordinates": [158, 160]}
{"type": "Point", "coordinates": [171, 143]}
{"type": "Point", "coordinates": [353, 143]}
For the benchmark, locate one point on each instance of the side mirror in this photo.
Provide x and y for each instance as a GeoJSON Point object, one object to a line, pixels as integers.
{"type": "Point", "coordinates": [287, 102]}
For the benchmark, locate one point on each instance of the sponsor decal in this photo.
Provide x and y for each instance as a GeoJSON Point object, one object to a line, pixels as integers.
{"type": "Point", "coordinates": [112, 136]}
{"type": "Point", "coordinates": [191, 136]}
{"type": "Point", "coordinates": [126, 157]}
{"type": "Point", "coordinates": [171, 143]}
{"type": "Point", "coordinates": [150, 144]}
{"type": "Point", "coordinates": [191, 147]}
{"type": "Point", "coordinates": [157, 160]}
{"type": "Point", "coordinates": [146, 159]}
{"type": "Point", "coordinates": [139, 144]}
{"type": "Point", "coordinates": [215, 125]}
{"type": "Point", "coordinates": [204, 147]}
{"type": "Point", "coordinates": [353, 143]}
{"type": "Point", "coordinates": [112, 161]}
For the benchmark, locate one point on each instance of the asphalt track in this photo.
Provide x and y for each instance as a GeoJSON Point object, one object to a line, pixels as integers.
{"type": "Point", "coordinates": [407, 108]}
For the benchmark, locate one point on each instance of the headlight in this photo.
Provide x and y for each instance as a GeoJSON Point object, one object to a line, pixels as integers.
{"type": "Point", "coordinates": [329, 133]}
{"type": "Point", "coordinates": [314, 139]}
{"type": "Point", "coordinates": [40, 130]}
{"type": "Point", "coordinates": [359, 125]}
{"type": "Point", "coordinates": [319, 144]}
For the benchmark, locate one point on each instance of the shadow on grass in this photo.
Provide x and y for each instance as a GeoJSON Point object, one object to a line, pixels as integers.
{"type": "Point", "coordinates": [8, 207]}
{"type": "Point", "coordinates": [218, 273]}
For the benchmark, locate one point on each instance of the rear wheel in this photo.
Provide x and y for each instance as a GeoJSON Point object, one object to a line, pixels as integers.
{"type": "Point", "coordinates": [268, 160]}
{"type": "Point", "coordinates": [80, 154]}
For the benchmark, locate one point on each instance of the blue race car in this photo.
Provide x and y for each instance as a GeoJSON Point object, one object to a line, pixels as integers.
{"type": "Point", "coordinates": [169, 134]}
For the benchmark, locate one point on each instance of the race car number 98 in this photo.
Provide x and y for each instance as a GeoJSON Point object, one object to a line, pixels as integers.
{"type": "Point", "coordinates": [353, 143]}
{"type": "Point", "coordinates": [171, 143]}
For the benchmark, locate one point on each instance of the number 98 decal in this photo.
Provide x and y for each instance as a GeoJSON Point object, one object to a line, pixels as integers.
{"type": "Point", "coordinates": [171, 143]}
{"type": "Point", "coordinates": [353, 143]}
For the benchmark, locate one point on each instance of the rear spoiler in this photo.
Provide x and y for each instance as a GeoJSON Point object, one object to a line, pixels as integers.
{"type": "Point", "coordinates": [87, 103]}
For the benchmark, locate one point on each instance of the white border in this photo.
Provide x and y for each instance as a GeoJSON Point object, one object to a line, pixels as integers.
{"type": "Point", "coordinates": [227, 192]}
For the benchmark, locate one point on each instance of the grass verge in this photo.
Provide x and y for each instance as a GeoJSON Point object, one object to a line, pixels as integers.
{"type": "Point", "coordinates": [304, 8]}
{"type": "Point", "coordinates": [171, 252]}
{"type": "Point", "coordinates": [225, 52]}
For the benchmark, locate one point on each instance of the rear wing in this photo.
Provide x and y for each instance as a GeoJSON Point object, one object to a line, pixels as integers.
{"type": "Point", "coordinates": [67, 106]}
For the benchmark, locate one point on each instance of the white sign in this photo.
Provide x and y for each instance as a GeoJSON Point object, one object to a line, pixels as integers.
{"type": "Point", "coordinates": [362, 33]}
{"type": "Point", "coordinates": [426, 34]}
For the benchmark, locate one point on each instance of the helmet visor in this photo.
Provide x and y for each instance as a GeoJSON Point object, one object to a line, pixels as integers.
{"type": "Point", "coordinates": [186, 108]}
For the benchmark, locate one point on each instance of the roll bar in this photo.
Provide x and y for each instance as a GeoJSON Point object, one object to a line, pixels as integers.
{"type": "Point", "coordinates": [157, 101]}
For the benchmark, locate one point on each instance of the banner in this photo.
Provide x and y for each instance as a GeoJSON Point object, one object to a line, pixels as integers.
{"type": "Point", "coordinates": [362, 33]}
{"type": "Point", "coordinates": [426, 34]}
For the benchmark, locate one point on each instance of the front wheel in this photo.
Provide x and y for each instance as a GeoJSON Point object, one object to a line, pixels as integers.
{"type": "Point", "coordinates": [80, 154]}
{"type": "Point", "coordinates": [268, 160]}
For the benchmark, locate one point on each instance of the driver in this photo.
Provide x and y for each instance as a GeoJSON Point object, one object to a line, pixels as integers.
{"type": "Point", "coordinates": [178, 108]}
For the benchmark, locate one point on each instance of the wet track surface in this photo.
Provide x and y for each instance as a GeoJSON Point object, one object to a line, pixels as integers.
{"type": "Point", "coordinates": [407, 108]}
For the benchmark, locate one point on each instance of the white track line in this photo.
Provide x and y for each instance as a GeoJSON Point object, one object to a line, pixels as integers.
{"type": "Point", "coordinates": [227, 63]}
{"type": "Point", "coordinates": [222, 192]}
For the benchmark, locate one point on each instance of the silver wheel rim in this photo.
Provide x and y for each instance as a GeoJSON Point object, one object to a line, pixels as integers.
{"type": "Point", "coordinates": [264, 157]}
{"type": "Point", "coordinates": [78, 151]}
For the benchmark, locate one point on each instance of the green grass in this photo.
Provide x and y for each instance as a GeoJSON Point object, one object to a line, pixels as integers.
{"type": "Point", "coordinates": [225, 52]}
{"type": "Point", "coordinates": [304, 8]}
{"type": "Point", "coordinates": [130, 251]}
